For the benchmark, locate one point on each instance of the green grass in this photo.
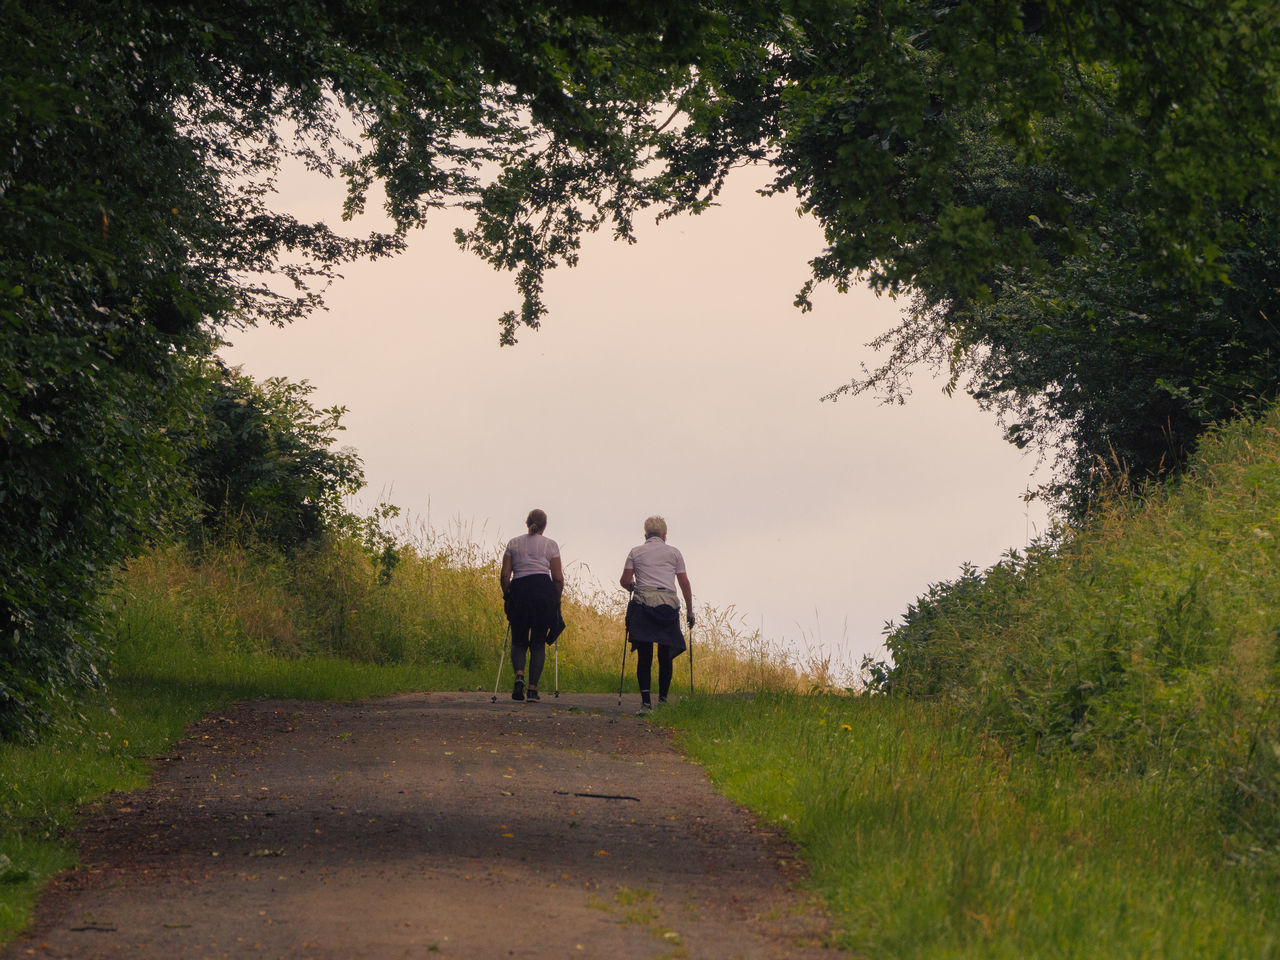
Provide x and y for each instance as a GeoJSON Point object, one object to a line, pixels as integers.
{"type": "Point", "coordinates": [195, 631]}
{"type": "Point", "coordinates": [1149, 638]}
{"type": "Point", "coordinates": [1094, 771]}
{"type": "Point", "coordinates": [927, 838]}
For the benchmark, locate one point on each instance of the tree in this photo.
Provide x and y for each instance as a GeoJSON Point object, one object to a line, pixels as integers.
{"type": "Point", "coordinates": [140, 143]}
{"type": "Point", "coordinates": [1111, 367]}
{"type": "Point", "coordinates": [133, 223]}
{"type": "Point", "coordinates": [263, 457]}
{"type": "Point", "coordinates": [1079, 198]}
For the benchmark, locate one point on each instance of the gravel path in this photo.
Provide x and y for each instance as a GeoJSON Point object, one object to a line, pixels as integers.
{"type": "Point", "coordinates": [427, 825]}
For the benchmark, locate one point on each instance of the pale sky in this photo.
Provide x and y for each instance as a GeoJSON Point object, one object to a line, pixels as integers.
{"type": "Point", "coordinates": [671, 377]}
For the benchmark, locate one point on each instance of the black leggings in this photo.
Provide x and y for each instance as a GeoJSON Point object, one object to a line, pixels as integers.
{"type": "Point", "coordinates": [532, 607]}
{"type": "Point", "coordinates": [644, 668]}
{"type": "Point", "coordinates": [526, 637]}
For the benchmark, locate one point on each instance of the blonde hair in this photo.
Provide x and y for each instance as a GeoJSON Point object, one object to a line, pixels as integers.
{"type": "Point", "coordinates": [536, 521]}
{"type": "Point", "coordinates": [655, 527]}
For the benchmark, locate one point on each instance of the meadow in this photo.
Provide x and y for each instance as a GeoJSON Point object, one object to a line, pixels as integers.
{"type": "Point", "coordinates": [1074, 753]}
{"type": "Point", "coordinates": [195, 628]}
{"type": "Point", "coordinates": [928, 837]}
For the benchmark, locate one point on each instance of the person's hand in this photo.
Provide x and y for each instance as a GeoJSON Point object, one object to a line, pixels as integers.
{"type": "Point", "coordinates": [690, 618]}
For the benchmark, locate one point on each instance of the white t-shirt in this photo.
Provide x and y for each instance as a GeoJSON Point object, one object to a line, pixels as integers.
{"type": "Point", "coordinates": [656, 564]}
{"type": "Point", "coordinates": [531, 553]}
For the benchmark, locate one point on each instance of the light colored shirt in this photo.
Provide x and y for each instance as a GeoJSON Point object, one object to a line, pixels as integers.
{"type": "Point", "coordinates": [531, 553]}
{"type": "Point", "coordinates": [656, 564]}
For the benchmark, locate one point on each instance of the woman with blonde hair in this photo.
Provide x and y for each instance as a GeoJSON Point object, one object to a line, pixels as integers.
{"type": "Point", "coordinates": [651, 572]}
{"type": "Point", "coordinates": [532, 582]}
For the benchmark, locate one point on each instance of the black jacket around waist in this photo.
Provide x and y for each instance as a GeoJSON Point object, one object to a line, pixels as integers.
{"type": "Point", "coordinates": [533, 601]}
{"type": "Point", "coordinates": [654, 623]}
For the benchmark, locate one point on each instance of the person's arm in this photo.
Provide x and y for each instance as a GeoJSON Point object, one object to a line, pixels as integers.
{"type": "Point", "coordinates": [687, 590]}
{"type": "Point", "coordinates": [628, 578]}
{"type": "Point", "coordinates": [557, 575]}
{"type": "Point", "coordinates": [504, 578]}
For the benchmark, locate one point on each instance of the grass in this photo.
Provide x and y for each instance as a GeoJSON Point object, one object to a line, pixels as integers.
{"type": "Point", "coordinates": [929, 838]}
{"type": "Point", "coordinates": [197, 630]}
{"type": "Point", "coordinates": [1094, 771]}
{"type": "Point", "coordinates": [1148, 639]}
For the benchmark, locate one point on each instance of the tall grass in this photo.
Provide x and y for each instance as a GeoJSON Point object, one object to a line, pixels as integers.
{"type": "Point", "coordinates": [1147, 638]}
{"type": "Point", "coordinates": [928, 837]}
{"type": "Point", "coordinates": [196, 629]}
{"type": "Point", "coordinates": [438, 607]}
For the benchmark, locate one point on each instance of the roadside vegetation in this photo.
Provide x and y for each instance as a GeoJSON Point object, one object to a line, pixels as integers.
{"type": "Point", "coordinates": [1073, 753]}
{"type": "Point", "coordinates": [364, 611]}
{"type": "Point", "coordinates": [928, 836]}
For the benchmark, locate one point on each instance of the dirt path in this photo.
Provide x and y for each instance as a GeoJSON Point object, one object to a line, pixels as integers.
{"type": "Point", "coordinates": [427, 825]}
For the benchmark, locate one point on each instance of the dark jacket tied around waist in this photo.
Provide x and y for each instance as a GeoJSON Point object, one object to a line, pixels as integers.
{"type": "Point", "coordinates": [533, 600]}
{"type": "Point", "coordinates": [653, 616]}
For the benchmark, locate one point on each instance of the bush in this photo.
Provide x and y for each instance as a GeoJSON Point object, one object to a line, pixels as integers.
{"type": "Point", "coordinates": [1147, 636]}
{"type": "Point", "coordinates": [262, 456]}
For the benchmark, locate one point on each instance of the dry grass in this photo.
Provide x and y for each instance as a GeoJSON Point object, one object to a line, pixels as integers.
{"type": "Point", "coordinates": [440, 605]}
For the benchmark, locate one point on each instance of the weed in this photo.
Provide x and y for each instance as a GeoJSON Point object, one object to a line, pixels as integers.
{"type": "Point", "coordinates": [927, 836]}
{"type": "Point", "coordinates": [198, 628]}
{"type": "Point", "coordinates": [1146, 638]}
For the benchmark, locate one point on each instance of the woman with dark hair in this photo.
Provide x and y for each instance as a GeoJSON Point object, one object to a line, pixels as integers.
{"type": "Point", "coordinates": [532, 582]}
{"type": "Point", "coordinates": [651, 573]}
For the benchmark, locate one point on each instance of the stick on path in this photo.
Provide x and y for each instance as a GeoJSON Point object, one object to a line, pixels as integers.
{"type": "Point", "coordinates": [427, 825]}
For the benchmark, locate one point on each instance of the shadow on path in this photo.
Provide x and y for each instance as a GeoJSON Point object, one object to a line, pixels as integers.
{"type": "Point", "coordinates": [427, 825]}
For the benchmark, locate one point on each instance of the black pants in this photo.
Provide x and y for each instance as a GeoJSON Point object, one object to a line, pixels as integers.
{"type": "Point", "coordinates": [526, 638]}
{"type": "Point", "coordinates": [532, 608]}
{"type": "Point", "coordinates": [644, 668]}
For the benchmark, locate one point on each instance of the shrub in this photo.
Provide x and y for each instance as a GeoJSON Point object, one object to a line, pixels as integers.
{"type": "Point", "coordinates": [1148, 635]}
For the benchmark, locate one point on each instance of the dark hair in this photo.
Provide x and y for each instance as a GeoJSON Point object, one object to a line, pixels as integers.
{"type": "Point", "coordinates": [536, 521]}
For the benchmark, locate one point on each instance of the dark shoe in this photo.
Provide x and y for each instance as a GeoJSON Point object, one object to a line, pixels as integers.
{"type": "Point", "coordinates": [662, 700]}
{"type": "Point", "coordinates": [532, 695]}
{"type": "Point", "coordinates": [517, 692]}
{"type": "Point", "coordinates": [645, 706]}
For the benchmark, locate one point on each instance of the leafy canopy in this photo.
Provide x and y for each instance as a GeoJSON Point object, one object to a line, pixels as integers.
{"type": "Point", "coordinates": [140, 144]}
{"type": "Point", "coordinates": [1019, 166]}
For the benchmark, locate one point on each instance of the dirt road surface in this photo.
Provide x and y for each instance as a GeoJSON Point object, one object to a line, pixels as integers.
{"type": "Point", "coordinates": [427, 825]}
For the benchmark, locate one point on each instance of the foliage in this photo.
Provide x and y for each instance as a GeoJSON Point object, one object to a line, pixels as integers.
{"type": "Point", "coordinates": [142, 142]}
{"type": "Point", "coordinates": [925, 836]}
{"type": "Point", "coordinates": [128, 225]}
{"type": "Point", "coordinates": [264, 459]}
{"type": "Point", "coordinates": [140, 146]}
{"type": "Point", "coordinates": [1148, 636]}
{"type": "Point", "coordinates": [1112, 369]}
{"type": "Point", "coordinates": [1090, 245]}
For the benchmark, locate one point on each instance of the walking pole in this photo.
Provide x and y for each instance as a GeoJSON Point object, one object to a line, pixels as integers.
{"type": "Point", "coordinates": [626, 634]}
{"type": "Point", "coordinates": [557, 668]}
{"type": "Point", "coordinates": [691, 660]}
{"type": "Point", "coordinates": [505, 637]}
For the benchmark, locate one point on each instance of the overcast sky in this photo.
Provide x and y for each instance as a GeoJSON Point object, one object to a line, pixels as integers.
{"type": "Point", "coordinates": [671, 377]}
